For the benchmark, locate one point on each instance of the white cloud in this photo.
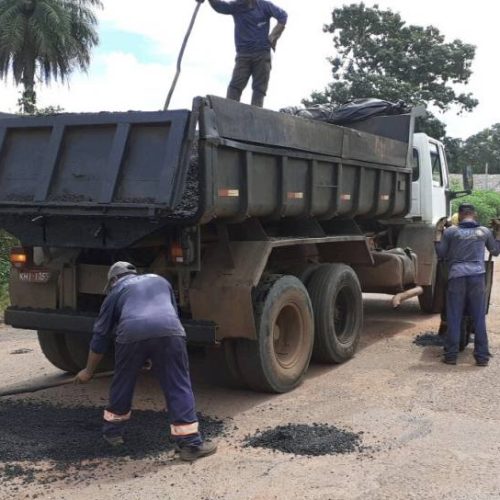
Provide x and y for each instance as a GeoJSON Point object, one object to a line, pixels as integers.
{"type": "Point", "coordinates": [299, 65]}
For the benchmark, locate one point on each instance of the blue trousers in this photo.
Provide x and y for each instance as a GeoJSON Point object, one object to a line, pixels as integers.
{"type": "Point", "coordinates": [171, 367]}
{"type": "Point", "coordinates": [467, 294]}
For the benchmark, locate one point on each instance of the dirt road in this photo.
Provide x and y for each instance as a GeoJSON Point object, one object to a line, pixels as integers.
{"type": "Point", "coordinates": [429, 430]}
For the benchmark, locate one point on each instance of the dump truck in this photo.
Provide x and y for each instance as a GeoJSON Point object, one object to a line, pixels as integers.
{"type": "Point", "coordinates": [269, 226]}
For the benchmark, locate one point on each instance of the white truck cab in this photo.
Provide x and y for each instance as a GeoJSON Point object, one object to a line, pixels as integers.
{"type": "Point", "coordinates": [431, 181]}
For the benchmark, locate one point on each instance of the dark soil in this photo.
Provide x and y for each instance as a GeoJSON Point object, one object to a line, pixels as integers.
{"type": "Point", "coordinates": [36, 432]}
{"type": "Point", "coordinates": [429, 339]}
{"type": "Point", "coordinates": [310, 440]}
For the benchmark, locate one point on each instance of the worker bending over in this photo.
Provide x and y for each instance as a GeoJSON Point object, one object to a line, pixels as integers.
{"type": "Point", "coordinates": [463, 248]}
{"type": "Point", "coordinates": [253, 44]}
{"type": "Point", "coordinates": [144, 311]}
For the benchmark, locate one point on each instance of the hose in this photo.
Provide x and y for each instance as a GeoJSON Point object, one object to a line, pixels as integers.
{"type": "Point", "coordinates": [28, 389]}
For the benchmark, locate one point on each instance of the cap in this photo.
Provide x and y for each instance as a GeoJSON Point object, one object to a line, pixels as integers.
{"type": "Point", "coordinates": [466, 207]}
{"type": "Point", "coordinates": [118, 269]}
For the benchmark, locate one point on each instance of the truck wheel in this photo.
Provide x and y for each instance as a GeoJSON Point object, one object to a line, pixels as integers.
{"type": "Point", "coordinates": [78, 347]}
{"type": "Point", "coordinates": [234, 377]}
{"type": "Point", "coordinates": [278, 360]}
{"type": "Point", "coordinates": [54, 348]}
{"type": "Point", "coordinates": [338, 312]}
{"type": "Point", "coordinates": [426, 299]}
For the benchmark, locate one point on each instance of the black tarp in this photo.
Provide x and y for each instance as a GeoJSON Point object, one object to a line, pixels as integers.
{"type": "Point", "coordinates": [350, 112]}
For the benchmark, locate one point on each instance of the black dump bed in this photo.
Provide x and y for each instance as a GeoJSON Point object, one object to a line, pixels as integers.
{"type": "Point", "coordinates": [108, 180]}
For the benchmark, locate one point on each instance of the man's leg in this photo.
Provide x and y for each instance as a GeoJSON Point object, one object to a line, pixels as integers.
{"type": "Point", "coordinates": [261, 72]}
{"type": "Point", "coordinates": [476, 302]}
{"type": "Point", "coordinates": [455, 309]}
{"type": "Point", "coordinates": [241, 75]}
{"type": "Point", "coordinates": [129, 359]}
{"type": "Point", "coordinates": [172, 367]}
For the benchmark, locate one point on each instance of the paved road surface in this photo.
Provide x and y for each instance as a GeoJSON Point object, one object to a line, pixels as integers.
{"type": "Point", "coordinates": [434, 429]}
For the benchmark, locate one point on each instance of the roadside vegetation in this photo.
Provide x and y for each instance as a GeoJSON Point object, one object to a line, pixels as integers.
{"type": "Point", "coordinates": [487, 204]}
{"type": "Point", "coordinates": [6, 243]}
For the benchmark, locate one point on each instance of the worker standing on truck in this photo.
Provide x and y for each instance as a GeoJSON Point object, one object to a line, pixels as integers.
{"type": "Point", "coordinates": [253, 44]}
{"type": "Point", "coordinates": [463, 248]}
{"type": "Point", "coordinates": [144, 311]}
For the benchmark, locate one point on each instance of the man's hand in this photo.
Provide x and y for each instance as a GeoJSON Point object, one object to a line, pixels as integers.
{"type": "Point", "coordinates": [275, 35]}
{"type": "Point", "coordinates": [495, 228]}
{"type": "Point", "coordinates": [441, 224]}
{"type": "Point", "coordinates": [84, 376]}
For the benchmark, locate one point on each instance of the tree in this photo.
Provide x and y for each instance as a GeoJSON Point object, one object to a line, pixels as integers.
{"type": "Point", "coordinates": [45, 40]}
{"type": "Point", "coordinates": [379, 55]}
{"type": "Point", "coordinates": [483, 149]}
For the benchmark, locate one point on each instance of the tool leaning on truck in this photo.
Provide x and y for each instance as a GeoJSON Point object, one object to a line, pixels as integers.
{"type": "Point", "coordinates": [268, 226]}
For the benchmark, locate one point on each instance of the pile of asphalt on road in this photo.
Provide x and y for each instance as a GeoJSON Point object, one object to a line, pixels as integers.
{"type": "Point", "coordinates": [429, 339]}
{"type": "Point", "coordinates": [309, 440]}
{"type": "Point", "coordinates": [35, 433]}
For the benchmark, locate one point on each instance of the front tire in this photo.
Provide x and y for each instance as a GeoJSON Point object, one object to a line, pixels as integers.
{"type": "Point", "coordinates": [278, 360]}
{"type": "Point", "coordinates": [338, 312]}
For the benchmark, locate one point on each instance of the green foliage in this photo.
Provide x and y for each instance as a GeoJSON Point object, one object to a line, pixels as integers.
{"type": "Point", "coordinates": [487, 204]}
{"type": "Point", "coordinates": [481, 149]}
{"type": "Point", "coordinates": [6, 243]}
{"type": "Point", "coordinates": [379, 55]}
{"type": "Point", "coordinates": [45, 40]}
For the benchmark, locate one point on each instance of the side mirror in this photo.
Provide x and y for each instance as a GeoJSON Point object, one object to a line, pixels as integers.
{"type": "Point", "coordinates": [468, 177]}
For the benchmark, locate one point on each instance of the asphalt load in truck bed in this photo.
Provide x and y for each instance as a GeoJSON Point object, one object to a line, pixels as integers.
{"type": "Point", "coordinates": [189, 203]}
{"type": "Point", "coordinates": [34, 434]}
{"type": "Point", "coordinates": [309, 440]}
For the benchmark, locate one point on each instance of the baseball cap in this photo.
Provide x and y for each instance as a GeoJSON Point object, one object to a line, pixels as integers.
{"type": "Point", "coordinates": [117, 269]}
{"type": "Point", "coordinates": [466, 207]}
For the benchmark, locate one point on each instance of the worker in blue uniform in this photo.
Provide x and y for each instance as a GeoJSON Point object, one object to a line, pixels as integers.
{"type": "Point", "coordinates": [254, 42]}
{"type": "Point", "coordinates": [144, 311]}
{"type": "Point", "coordinates": [463, 248]}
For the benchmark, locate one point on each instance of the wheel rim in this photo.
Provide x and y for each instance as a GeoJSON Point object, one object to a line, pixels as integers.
{"type": "Point", "coordinates": [342, 315]}
{"type": "Point", "coordinates": [288, 335]}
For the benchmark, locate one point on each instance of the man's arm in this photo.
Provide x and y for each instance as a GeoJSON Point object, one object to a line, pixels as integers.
{"type": "Point", "coordinates": [441, 238]}
{"type": "Point", "coordinates": [222, 7]}
{"type": "Point", "coordinates": [282, 17]}
{"type": "Point", "coordinates": [101, 339]}
{"type": "Point", "coordinates": [493, 239]}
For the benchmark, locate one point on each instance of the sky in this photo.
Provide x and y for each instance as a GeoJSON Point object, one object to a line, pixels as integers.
{"type": "Point", "coordinates": [133, 66]}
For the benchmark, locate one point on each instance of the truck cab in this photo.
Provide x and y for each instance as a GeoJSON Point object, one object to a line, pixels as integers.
{"type": "Point", "coordinates": [430, 180]}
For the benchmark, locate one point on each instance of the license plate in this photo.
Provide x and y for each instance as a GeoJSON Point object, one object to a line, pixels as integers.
{"type": "Point", "coordinates": [33, 276]}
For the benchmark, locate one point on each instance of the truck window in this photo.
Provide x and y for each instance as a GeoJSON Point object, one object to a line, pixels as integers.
{"type": "Point", "coordinates": [415, 165]}
{"type": "Point", "coordinates": [437, 171]}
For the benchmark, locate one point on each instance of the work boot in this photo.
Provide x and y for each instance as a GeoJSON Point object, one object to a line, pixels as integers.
{"type": "Point", "coordinates": [449, 361]}
{"type": "Point", "coordinates": [114, 441]}
{"type": "Point", "coordinates": [192, 453]}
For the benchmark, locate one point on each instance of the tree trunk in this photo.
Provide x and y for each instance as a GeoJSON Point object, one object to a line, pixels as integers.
{"type": "Point", "coordinates": [28, 98]}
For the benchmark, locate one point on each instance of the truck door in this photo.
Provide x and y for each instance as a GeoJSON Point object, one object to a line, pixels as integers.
{"type": "Point", "coordinates": [440, 206]}
{"type": "Point", "coordinates": [415, 188]}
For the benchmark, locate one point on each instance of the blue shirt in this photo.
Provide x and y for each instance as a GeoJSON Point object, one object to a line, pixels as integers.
{"type": "Point", "coordinates": [141, 308]}
{"type": "Point", "coordinates": [251, 25]}
{"type": "Point", "coordinates": [463, 247]}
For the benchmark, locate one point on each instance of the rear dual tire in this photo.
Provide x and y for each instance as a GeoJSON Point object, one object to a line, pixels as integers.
{"type": "Point", "coordinates": [69, 351]}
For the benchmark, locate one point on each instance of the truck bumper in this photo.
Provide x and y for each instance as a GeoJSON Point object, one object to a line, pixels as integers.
{"type": "Point", "coordinates": [198, 332]}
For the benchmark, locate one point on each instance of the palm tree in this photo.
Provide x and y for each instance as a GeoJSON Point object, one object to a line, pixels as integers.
{"type": "Point", "coordinates": [45, 40]}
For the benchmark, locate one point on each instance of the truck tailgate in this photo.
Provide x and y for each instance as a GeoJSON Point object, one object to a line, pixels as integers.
{"type": "Point", "coordinates": [106, 161]}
